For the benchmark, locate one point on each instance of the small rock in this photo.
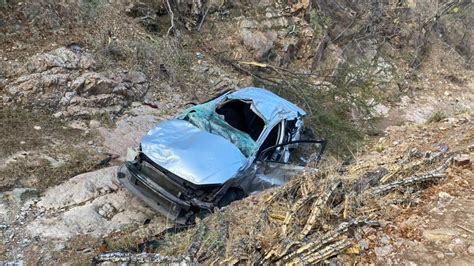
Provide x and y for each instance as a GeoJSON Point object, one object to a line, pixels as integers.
{"type": "Point", "coordinates": [102, 213]}
{"type": "Point", "coordinates": [439, 255]}
{"type": "Point", "coordinates": [444, 199]}
{"type": "Point", "coordinates": [363, 244]}
{"type": "Point", "coordinates": [94, 124]}
{"type": "Point", "coordinates": [57, 114]}
{"type": "Point", "coordinates": [462, 160]}
{"type": "Point", "coordinates": [470, 249]}
{"type": "Point", "coordinates": [7, 99]}
{"type": "Point", "coordinates": [199, 56]}
{"type": "Point", "coordinates": [22, 142]}
{"type": "Point", "coordinates": [381, 110]}
{"type": "Point", "coordinates": [259, 41]}
{"type": "Point", "coordinates": [78, 125]}
{"type": "Point", "coordinates": [384, 240]}
{"type": "Point", "coordinates": [24, 194]}
{"type": "Point", "coordinates": [59, 246]}
{"type": "Point", "coordinates": [37, 127]}
{"type": "Point", "coordinates": [383, 251]}
{"type": "Point", "coordinates": [90, 142]}
{"type": "Point", "coordinates": [107, 210]}
{"type": "Point", "coordinates": [471, 147]}
{"type": "Point", "coordinates": [25, 242]}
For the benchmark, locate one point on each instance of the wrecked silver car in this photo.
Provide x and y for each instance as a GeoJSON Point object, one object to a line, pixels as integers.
{"type": "Point", "coordinates": [217, 152]}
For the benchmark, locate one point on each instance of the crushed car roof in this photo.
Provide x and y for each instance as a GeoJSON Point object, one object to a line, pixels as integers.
{"type": "Point", "coordinates": [269, 105]}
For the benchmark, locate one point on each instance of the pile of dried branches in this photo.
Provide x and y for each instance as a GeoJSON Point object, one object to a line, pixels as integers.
{"type": "Point", "coordinates": [322, 211]}
{"type": "Point", "coordinates": [309, 220]}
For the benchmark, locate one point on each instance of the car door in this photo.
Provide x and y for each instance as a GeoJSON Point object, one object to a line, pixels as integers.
{"type": "Point", "coordinates": [274, 165]}
{"type": "Point", "coordinates": [278, 164]}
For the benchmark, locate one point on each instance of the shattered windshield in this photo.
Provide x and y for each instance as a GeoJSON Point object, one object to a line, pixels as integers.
{"type": "Point", "coordinates": [204, 117]}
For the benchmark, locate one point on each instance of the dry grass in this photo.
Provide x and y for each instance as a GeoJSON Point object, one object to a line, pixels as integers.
{"type": "Point", "coordinates": [44, 156]}
{"type": "Point", "coordinates": [41, 174]}
{"type": "Point", "coordinates": [19, 134]}
{"type": "Point", "coordinates": [435, 117]}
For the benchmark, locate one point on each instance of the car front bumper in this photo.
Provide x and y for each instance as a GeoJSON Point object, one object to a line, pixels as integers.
{"type": "Point", "coordinates": [152, 194]}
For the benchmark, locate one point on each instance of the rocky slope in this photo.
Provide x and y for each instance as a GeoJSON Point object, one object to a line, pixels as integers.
{"type": "Point", "coordinates": [82, 84]}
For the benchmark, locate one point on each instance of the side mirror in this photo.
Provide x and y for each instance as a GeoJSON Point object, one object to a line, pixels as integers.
{"type": "Point", "coordinates": [297, 151]}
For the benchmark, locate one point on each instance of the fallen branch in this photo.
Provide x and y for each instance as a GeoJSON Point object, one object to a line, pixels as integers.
{"type": "Point", "coordinates": [317, 208]}
{"type": "Point", "coordinates": [172, 18]}
{"type": "Point", "coordinates": [116, 257]}
{"type": "Point", "coordinates": [318, 55]}
{"type": "Point", "coordinates": [203, 18]}
{"type": "Point", "coordinates": [464, 228]}
{"type": "Point", "coordinates": [326, 246]}
{"type": "Point", "coordinates": [435, 175]}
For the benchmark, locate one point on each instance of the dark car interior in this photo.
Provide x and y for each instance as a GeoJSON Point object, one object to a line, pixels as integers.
{"type": "Point", "coordinates": [239, 115]}
{"type": "Point", "coordinates": [271, 139]}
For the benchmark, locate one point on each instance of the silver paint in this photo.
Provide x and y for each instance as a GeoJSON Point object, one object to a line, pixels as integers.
{"type": "Point", "coordinates": [192, 154]}
{"type": "Point", "coordinates": [204, 158]}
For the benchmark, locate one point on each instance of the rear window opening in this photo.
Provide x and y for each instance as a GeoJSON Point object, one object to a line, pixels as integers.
{"type": "Point", "coordinates": [239, 115]}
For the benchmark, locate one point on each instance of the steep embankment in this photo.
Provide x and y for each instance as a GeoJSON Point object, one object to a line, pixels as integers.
{"type": "Point", "coordinates": [85, 81]}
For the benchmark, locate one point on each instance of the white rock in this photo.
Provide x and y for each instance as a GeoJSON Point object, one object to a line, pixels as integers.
{"type": "Point", "coordinates": [76, 208]}
{"type": "Point", "coordinates": [383, 251]}
{"type": "Point", "coordinates": [94, 123]}
{"type": "Point", "coordinates": [381, 110]}
{"type": "Point", "coordinates": [444, 199]}
{"type": "Point", "coordinates": [57, 114]}
{"type": "Point", "coordinates": [37, 127]}
{"type": "Point", "coordinates": [440, 255]}
{"type": "Point", "coordinates": [470, 249]}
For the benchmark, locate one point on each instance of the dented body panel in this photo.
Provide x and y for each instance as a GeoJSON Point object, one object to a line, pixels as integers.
{"type": "Point", "coordinates": [211, 154]}
{"type": "Point", "coordinates": [198, 156]}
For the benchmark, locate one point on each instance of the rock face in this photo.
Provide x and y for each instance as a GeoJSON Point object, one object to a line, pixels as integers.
{"type": "Point", "coordinates": [91, 203]}
{"type": "Point", "coordinates": [63, 81]}
{"type": "Point", "coordinates": [129, 129]}
{"type": "Point", "coordinates": [91, 206]}
{"type": "Point", "coordinates": [260, 42]}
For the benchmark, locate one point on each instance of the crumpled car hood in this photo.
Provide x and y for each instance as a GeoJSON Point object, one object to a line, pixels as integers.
{"type": "Point", "coordinates": [195, 155]}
